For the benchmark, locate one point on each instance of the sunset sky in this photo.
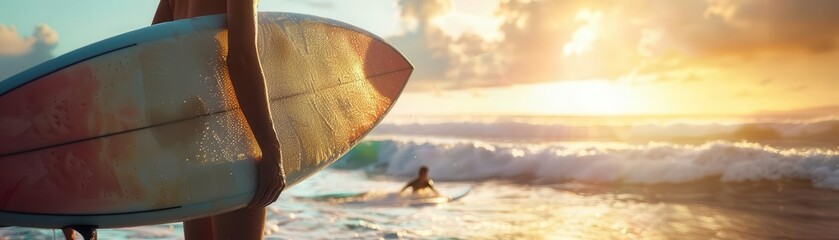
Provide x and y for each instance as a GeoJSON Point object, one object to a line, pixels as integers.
{"type": "Point", "coordinates": [529, 57]}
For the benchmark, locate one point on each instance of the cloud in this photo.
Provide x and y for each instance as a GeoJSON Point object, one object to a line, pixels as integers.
{"type": "Point", "coordinates": [634, 40]}
{"type": "Point", "coordinates": [424, 11]}
{"type": "Point", "coordinates": [797, 88]}
{"type": "Point", "coordinates": [18, 53]}
{"type": "Point", "coordinates": [765, 82]}
{"type": "Point", "coordinates": [444, 62]}
{"type": "Point", "coordinates": [542, 41]}
{"type": "Point", "coordinates": [772, 24]}
{"type": "Point", "coordinates": [320, 4]}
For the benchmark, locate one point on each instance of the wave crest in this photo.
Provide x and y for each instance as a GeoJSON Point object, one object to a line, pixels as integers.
{"type": "Point", "coordinates": [823, 132]}
{"type": "Point", "coordinates": [652, 163]}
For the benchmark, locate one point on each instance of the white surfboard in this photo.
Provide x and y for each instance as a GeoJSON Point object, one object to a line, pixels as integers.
{"type": "Point", "coordinates": [144, 128]}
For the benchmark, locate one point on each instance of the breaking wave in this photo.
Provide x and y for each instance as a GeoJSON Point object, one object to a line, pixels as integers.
{"type": "Point", "coordinates": [806, 132]}
{"type": "Point", "coordinates": [653, 163]}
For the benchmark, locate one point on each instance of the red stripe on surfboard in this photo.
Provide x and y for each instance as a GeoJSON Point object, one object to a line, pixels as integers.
{"type": "Point", "coordinates": [56, 108]}
{"type": "Point", "coordinates": [381, 58]}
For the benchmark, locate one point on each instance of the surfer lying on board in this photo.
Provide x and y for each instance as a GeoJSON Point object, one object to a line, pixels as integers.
{"type": "Point", "coordinates": [421, 182]}
{"type": "Point", "coordinates": [249, 84]}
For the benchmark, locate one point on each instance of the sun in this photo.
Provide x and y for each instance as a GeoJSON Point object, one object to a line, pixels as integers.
{"type": "Point", "coordinates": [583, 97]}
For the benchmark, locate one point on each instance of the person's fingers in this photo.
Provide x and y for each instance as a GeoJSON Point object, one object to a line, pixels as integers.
{"type": "Point", "coordinates": [252, 203]}
{"type": "Point", "coordinates": [264, 201]}
{"type": "Point", "coordinates": [257, 196]}
{"type": "Point", "coordinates": [270, 194]}
{"type": "Point", "coordinates": [275, 194]}
{"type": "Point", "coordinates": [266, 196]}
{"type": "Point", "coordinates": [279, 190]}
{"type": "Point", "coordinates": [261, 202]}
{"type": "Point", "coordinates": [268, 190]}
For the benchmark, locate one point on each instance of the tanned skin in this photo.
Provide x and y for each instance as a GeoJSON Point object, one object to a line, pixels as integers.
{"type": "Point", "coordinates": [249, 84]}
{"type": "Point", "coordinates": [69, 234]}
{"type": "Point", "coordinates": [421, 182]}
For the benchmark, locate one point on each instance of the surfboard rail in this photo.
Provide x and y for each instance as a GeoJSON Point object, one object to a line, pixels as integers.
{"type": "Point", "coordinates": [143, 128]}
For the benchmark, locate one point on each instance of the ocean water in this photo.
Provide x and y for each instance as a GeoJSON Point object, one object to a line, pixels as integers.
{"type": "Point", "coordinates": [538, 178]}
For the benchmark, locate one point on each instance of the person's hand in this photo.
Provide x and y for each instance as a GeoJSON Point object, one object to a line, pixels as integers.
{"type": "Point", "coordinates": [270, 180]}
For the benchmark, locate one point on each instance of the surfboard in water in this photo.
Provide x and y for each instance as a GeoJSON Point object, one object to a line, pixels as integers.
{"type": "Point", "coordinates": [393, 199]}
{"type": "Point", "coordinates": [144, 128]}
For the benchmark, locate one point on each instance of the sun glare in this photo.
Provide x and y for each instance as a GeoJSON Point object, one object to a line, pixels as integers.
{"type": "Point", "coordinates": [587, 97]}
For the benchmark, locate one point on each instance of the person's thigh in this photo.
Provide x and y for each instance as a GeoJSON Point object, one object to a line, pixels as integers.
{"type": "Point", "coordinates": [242, 224]}
{"type": "Point", "coordinates": [69, 234]}
{"type": "Point", "coordinates": [201, 228]}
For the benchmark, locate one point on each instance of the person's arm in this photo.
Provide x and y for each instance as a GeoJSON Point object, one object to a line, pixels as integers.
{"type": "Point", "coordinates": [431, 186]}
{"type": "Point", "coordinates": [249, 84]}
{"type": "Point", "coordinates": [163, 13]}
{"type": "Point", "coordinates": [406, 186]}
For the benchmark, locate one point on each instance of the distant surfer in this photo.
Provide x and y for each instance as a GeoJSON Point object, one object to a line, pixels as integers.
{"type": "Point", "coordinates": [422, 182]}
{"type": "Point", "coordinates": [249, 85]}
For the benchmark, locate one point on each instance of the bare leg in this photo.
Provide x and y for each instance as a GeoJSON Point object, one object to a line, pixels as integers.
{"type": "Point", "coordinates": [201, 228]}
{"type": "Point", "coordinates": [243, 224]}
{"type": "Point", "coordinates": [69, 234]}
{"type": "Point", "coordinates": [88, 232]}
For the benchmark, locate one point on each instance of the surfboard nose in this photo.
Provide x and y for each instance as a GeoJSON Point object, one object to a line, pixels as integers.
{"type": "Point", "coordinates": [386, 69]}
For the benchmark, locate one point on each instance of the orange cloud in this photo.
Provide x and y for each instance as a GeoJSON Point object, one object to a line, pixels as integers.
{"type": "Point", "coordinates": [644, 40]}
{"type": "Point", "coordinates": [19, 53]}
{"type": "Point", "coordinates": [775, 24]}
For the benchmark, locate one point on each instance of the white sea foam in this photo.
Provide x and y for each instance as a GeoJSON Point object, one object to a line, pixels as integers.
{"type": "Point", "coordinates": [605, 163]}
{"type": "Point", "coordinates": [519, 129]}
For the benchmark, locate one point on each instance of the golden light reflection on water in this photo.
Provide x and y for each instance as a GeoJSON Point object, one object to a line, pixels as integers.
{"type": "Point", "coordinates": [626, 221]}
{"type": "Point", "coordinates": [510, 212]}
